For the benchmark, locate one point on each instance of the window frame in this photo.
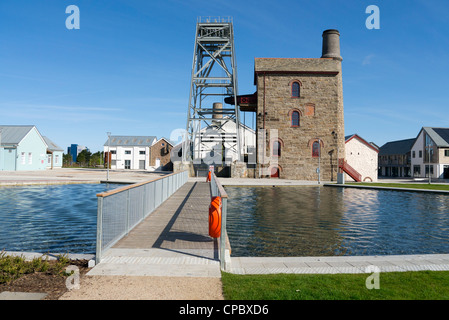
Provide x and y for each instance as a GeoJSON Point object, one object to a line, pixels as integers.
{"type": "Point", "coordinates": [295, 83]}
{"type": "Point", "coordinates": [294, 125]}
{"type": "Point", "coordinates": [279, 148]}
{"type": "Point", "coordinates": [316, 154]}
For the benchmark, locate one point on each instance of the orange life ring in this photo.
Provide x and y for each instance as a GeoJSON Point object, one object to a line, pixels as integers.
{"type": "Point", "coordinates": [208, 177]}
{"type": "Point", "coordinates": [215, 217]}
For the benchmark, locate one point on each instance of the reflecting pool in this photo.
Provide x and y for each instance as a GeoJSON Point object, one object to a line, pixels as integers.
{"type": "Point", "coordinates": [54, 218]}
{"type": "Point", "coordinates": [329, 221]}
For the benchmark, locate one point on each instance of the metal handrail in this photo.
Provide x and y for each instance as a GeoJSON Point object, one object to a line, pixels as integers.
{"type": "Point", "coordinates": [120, 210]}
{"type": "Point", "coordinates": [213, 19]}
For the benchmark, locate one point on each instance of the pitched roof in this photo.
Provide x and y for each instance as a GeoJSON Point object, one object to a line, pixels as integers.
{"type": "Point", "coordinates": [397, 147]}
{"type": "Point", "coordinates": [12, 135]}
{"type": "Point", "coordinates": [51, 145]}
{"type": "Point", "coordinates": [166, 140]}
{"type": "Point", "coordinates": [130, 141]}
{"type": "Point", "coordinates": [440, 136]}
{"type": "Point", "coordinates": [356, 136]}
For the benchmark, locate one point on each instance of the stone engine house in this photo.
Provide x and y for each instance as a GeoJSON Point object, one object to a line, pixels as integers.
{"type": "Point", "coordinates": [299, 112]}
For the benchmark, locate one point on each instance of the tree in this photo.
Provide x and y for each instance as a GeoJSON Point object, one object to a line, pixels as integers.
{"type": "Point", "coordinates": [66, 159]}
{"type": "Point", "coordinates": [83, 157]}
{"type": "Point", "coordinates": [96, 159]}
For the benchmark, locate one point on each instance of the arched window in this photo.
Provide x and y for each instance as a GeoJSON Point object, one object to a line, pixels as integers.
{"type": "Point", "coordinates": [276, 151]}
{"type": "Point", "coordinates": [316, 149]}
{"type": "Point", "coordinates": [295, 119]}
{"type": "Point", "coordinates": [295, 89]}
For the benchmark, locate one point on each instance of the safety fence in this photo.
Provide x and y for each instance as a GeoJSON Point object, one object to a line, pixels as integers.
{"type": "Point", "coordinates": [120, 210]}
{"type": "Point", "coordinates": [224, 246]}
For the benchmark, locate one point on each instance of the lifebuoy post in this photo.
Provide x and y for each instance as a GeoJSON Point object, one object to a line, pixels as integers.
{"type": "Point", "coordinates": [215, 217]}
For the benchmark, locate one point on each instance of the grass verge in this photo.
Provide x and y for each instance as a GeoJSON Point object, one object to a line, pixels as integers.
{"type": "Point", "coordinates": [416, 285]}
{"type": "Point", "coordinates": [403, 185]}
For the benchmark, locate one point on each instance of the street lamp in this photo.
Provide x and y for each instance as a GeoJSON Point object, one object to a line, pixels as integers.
{"type": "Point", "coordinates": [109, 154]}
{"type": "Point", "coordinates": [319, 160]}
{"type": "Point", "coordinates": [429, 164]}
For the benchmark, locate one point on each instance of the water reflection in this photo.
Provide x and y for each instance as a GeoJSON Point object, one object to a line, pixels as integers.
{"type": "Point", "coordinates": [58, 218]}
{"type": "Point", "coordinates": [314, 221]}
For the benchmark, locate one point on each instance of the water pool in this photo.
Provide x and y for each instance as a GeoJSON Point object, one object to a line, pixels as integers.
{"type": "Point", "coordinates": [54, 218]}
{"type": "Point", "coordinates": [326, 221]}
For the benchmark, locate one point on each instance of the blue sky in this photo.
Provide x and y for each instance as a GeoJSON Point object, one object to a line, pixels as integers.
{"type": "Point", "coordinates": [127, 69]}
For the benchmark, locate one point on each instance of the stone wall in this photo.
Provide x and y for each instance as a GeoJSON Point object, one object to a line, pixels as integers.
{"type": "Point", "coordinates": [321, 112]}
{"type": "Point", "coordinates": [161, 149]}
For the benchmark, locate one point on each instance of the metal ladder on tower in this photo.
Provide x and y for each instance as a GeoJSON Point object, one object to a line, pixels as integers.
{"type": "Point", "coordinates": [213, 77]}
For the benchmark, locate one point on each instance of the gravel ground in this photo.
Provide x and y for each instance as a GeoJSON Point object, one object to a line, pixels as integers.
{"type": "Point", "coordinates": [146, 288]}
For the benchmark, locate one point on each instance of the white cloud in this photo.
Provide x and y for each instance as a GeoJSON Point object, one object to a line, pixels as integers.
{"type": "Point", "coordinates": [367, 59]}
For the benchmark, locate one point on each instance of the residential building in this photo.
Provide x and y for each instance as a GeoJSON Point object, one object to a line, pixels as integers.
{"type": "Point", "coordinates": [160, 155]}
{"type": "Point", "coordinates": [22, 148]}
{"type": "Point", "coordinates": [430, 153]}
{"type": "Point", "coordinates": [395, 158]}
{"type": "Point", "coordinates": [129, 152]}
{"type": "Point", "coordinates": [361, 156]}
{"type": "Point", "coordinates": [54, 154]}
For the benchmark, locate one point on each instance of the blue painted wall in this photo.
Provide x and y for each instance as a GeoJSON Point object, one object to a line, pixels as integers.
{"type": "Point", "coordinates": [31, 152]}
{"type": "Point", "coordinates": [8, 159]}
{"type": "Point", "coordinates": [56, 155]}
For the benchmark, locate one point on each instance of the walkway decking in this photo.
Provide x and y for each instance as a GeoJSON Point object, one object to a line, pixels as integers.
{"type": "Point", "coordinates": [171, 241]}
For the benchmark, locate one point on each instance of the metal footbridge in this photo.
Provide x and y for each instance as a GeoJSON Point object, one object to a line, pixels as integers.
{"type": "Point", "coordinates": [159, 227]}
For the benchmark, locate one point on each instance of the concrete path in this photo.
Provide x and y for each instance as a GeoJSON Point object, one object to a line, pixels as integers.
{"type": "Point", "coordinates": [340, 264]}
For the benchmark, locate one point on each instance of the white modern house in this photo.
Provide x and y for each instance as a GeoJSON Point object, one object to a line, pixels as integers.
{"type": "Point", "coordinates": [362, 156]}
{"type": "Point", "coordinates": [430, 153]}
{"type": "Point", "coordinates": [129, 152]}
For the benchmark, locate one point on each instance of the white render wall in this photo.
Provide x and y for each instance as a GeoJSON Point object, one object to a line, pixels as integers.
{"type": "Point", "coordinates": [418, 146]}
{"type": "Point", "coordinates": [134, 157]}
{"type": "Point", "coordinates": [247, 137]}
{"type": "Point", "coordinates": [362, 158]}
{"type": "Point", "coordinates": [438, 169]}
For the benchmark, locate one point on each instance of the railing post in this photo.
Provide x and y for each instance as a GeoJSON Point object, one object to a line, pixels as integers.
{"type": "Point", "coordinates": [127, 211]}
{"type": "Point", "coordinates": [99, 229]}
{"type": "Point", "coordinates": [224, 211]}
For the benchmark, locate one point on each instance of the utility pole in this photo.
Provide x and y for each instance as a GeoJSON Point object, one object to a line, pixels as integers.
{"type": "Point", "coordinates": [109, 154]}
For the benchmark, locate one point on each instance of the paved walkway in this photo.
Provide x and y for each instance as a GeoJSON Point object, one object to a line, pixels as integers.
{"type": "Point", "coordinates": [340, 264]}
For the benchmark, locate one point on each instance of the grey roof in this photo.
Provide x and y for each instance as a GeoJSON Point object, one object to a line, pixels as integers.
{"type": "Point", "coordinates": [397, 147]}
{"type": "Point", "coordinates": [51, 145]}
{"type": "Point", "coordinates": [131, 141]}
{"type": "Point", "coordinates": [12, 135]}
{"type": "Point", "coordinates": [440, 136]}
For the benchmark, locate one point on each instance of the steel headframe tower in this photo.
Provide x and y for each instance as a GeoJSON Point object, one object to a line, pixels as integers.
{"type": "Point", "coordinates": [214, 76]}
